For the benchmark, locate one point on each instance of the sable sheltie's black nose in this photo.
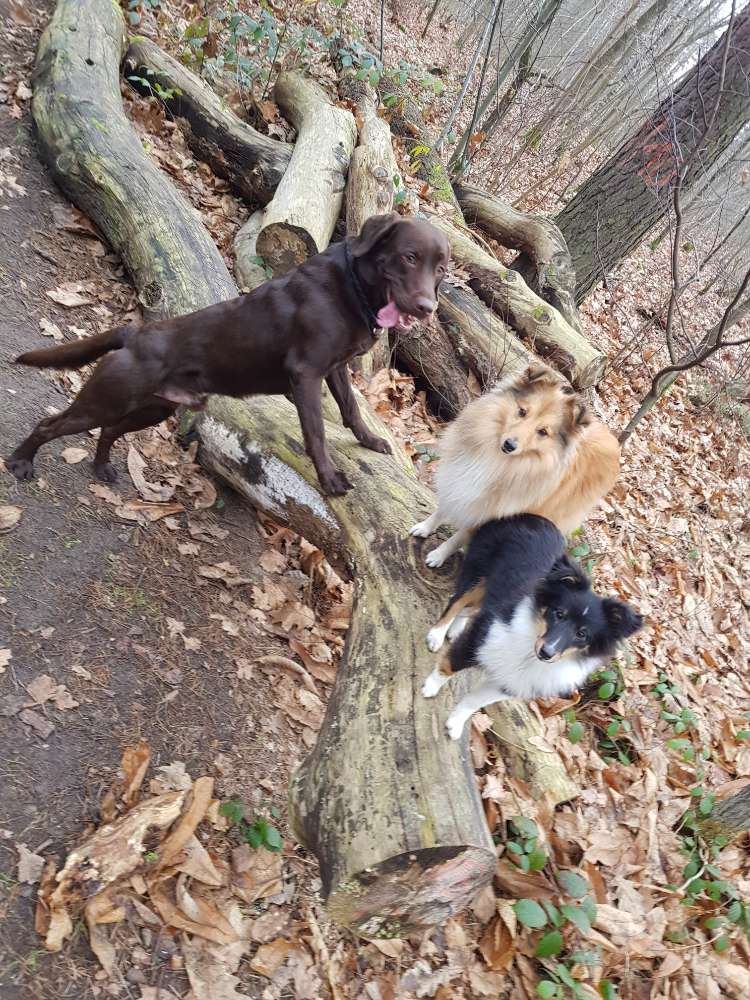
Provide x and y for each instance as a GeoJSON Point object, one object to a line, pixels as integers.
{"type": "Point", "coordinates": [509, 445]}
{"type": "Point", "coordinates": [543, 654]}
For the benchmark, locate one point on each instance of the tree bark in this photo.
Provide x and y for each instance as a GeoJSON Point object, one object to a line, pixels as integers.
{"type": "Point", "coordinates": [370, 184]}
{"type": "Point", "coordinates": [729, 818]}
{"type": "Point", "coordinates": [428, 354]}
{"type": "Point", "coordinates": [541, 326]}
{"type": "Point", "coordinates": [407, 121]}
{"type": "Point", "coordinates": [481, 340]}
{"type": "Point", "coordinates": [251, 162]}
{"type": "Point", "coordinates": [248, 272]}
{"type": "Point", "coordinates": [622, 201]}
{"type": "Point", "coordinates": [300, 219]}
{"type": "Point", "coordinates": [544, 261]}
{"type": "Point", "coordinates": [388, 804]}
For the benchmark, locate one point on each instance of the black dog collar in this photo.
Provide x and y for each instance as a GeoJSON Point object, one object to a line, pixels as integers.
{"type": "Point", "coordinates": [359, 292]}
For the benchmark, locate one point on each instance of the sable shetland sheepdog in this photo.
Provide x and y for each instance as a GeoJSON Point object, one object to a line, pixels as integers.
{"type": "Point", "coordinates": [529, 445]}
{"type": "Point", "coordinates": [540, 630]}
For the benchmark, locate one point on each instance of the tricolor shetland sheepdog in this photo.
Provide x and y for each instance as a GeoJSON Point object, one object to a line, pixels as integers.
{"type": "Point", "coordinates": [529, 445]}
{"type": "Point", "coordinates": [539, 631]}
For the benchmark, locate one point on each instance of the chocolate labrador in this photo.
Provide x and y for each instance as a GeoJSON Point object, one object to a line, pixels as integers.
{"type": "Point", "coordinates": [285, 337]}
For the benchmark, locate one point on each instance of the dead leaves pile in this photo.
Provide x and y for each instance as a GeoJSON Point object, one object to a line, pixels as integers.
{"type": "Point", "coordinates": [159, 871]}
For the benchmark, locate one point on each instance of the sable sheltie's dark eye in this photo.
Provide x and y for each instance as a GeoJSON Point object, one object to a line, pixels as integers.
{"type": "Point", "coordinates": [522, 412]}
{"type": "Point", "coordinates": [543, 432]}
{"type": "Point", "coordinates": [582, 634]}
{"type": "Point", "coordinates": [410, 258]}
{"type": "Point", "coordinates": [559, 614]}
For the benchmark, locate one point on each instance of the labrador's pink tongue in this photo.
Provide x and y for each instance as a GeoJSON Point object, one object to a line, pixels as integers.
{"type": "Point", "coordinates": [389, 315]}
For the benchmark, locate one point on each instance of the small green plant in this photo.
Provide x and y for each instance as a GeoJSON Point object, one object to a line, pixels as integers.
{"type": "Point", "coordinates": [575, 729]}
{"type": "Point", "coordinates": [259, 833]}
{"type": "Point", "coordinates": [523, 845]}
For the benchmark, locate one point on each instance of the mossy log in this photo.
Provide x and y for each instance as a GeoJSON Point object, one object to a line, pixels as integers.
{"type": "Point", "coordinates": [482, 341]}
{"type": "Point", "coordinates": [300, 219]}
{"type": "Point", "coordinates": [98, 160]}
{"type": "Point", "coordinates": [387, 803]}
{"type": "Point", "coordinates": [544, 261]}
{"type": "Point", "coordinates": [543, 328]}
{"type": "Point", "coordinates": [251, 162]}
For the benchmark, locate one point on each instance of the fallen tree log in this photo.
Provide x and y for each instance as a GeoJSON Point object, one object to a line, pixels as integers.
{"type": "Point", "coordinates": [299, 220]}
{"type": "Point", "coordinates": [482, 341]}
{"type": "Point", "coordinates": [544, 262]}
{"type": "Point", "coordinates": [252, 163]}
{"type": "Point", "coordinates": [544, 329]}
{"type": "Point", "coordinates": [428, 354]}
{"type": "Point", "coordinates": [98, 160]}
{"type": "Point", "coordinates": [387, 803]}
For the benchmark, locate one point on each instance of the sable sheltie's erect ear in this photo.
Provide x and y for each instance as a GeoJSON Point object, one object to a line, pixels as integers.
{"type": "Point", "coordinates": [621, 618]}
{"type": "Point", "coordinates": [375, 229]}
{"type": "Point", "coordinates": [537, 373]}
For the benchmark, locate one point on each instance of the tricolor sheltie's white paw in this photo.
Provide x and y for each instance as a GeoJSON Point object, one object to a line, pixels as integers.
{"type": "Point", "coordinates": [435, 558]}
{"type": "Point", "coordinates": [422, 530]}
{"type": "Point", "coordinates": [458, 625]}
{"type": "Point", "coordinates": [455, 726]}
{"type": "Point", "coordinates": [433, 684]}
{"type": "Point", "coordinates": [435, 639]}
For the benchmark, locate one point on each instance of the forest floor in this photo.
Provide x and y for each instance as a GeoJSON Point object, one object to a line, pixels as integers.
{"type": "Point", "coordinates": [145, 614]}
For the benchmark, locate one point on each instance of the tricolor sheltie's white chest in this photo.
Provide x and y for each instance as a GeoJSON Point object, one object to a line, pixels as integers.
{"type": "Point", "coordinates": [508, 660]}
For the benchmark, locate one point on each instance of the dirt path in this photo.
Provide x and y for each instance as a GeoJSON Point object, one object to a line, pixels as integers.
{"type": "Point", "coordinates": [112, 609]}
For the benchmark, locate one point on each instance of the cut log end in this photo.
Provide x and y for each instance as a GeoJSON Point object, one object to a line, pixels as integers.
{"type": "Point", "coordinates": [283, 246]}
{"type": "Point", "coordinates": [411, 892]}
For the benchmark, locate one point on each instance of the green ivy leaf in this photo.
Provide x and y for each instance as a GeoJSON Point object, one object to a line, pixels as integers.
{"type": "Point", "coordinates": [273, 839]}
{"type": "Point", "coordinates": [233, 810]}
{"type": "Point", "coordinates": [722, 944]}
{"type": "Point", "coordinates": [606, 690]}
{"type": "Point", "coordinates": [574, 885]}
{"type": "Point", "coordinates": [537, 859]}
{"type": "Point", "coordinates": [546, 989]}
{"type": "Point", "coordinates": [588, 905]}
{"type": "Point", "coordinates": [607, 990]}
{"type": "Point", "coordinates": [530, 913]}
{"type": "Point", "coordinates": [575, 732]}
{"type": "Point", "coordinates": [526, 827]}
{"type": "Point", "coordinates": [576, 915]}
{"type": "Point", "coordinates": [550, 944]}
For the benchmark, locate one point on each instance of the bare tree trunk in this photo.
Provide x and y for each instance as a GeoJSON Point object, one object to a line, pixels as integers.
{"type": "Point", "coordinates": [626, 197]}
{"type": "Point", "coordinates": [729, 818]}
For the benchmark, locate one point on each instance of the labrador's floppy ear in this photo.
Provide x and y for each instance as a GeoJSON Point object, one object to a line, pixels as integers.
{"type": "Point", "coordinates": [375, 229]}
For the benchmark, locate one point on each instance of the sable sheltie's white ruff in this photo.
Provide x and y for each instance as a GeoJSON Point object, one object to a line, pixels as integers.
{"type": "Point", "coordinates": [511, 669]}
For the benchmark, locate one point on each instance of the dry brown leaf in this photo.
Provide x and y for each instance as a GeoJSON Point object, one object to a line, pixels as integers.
{"type": "Point", "coordinates": [30, 865]}
{"type": "Point", "coordinates": [101, 910]}
{"type": "Point", "coordinates": [9, 516]}
{"type": "Point", "coordinates": [200, 910]}
{"type": "Point", "coordinates": [74, 455]}
{"type": "Point", "coordinates": [256, 874]}
{"type": "Point", "coordinates": [272, 561]}
{"type": "Point", "coordinates": [49, 329]}
{"type": "Point", "coordinates": [269, 958]}
{"type": "Point", "coordinates": [295, 668]}
{"type": "Point", "coordinates": [41, 726]}
{"type": "Point", "coordinates": [5, 658]}
{"type": "Point", "coordinates": [43, 688]}
{"type": "Point", "coordinates": [197, 864]}
{"type": "Point", "coordinates": [111, 852]}
{"type": "Point", "coordinates": [149, 491]}
{"type": "Point", "coordinates": [497, 946]}
{"type": "Point", "coordinates": [69, 295]}
{"type": "Point", "coordinates": [151, 511]}
{"type": "Point", "coordinates": [211, 967]}
{"type": "Point", "coordinates": [174, 776]}
{"type": "Point", "coordinates": [178, 838]}
{"type": "Point", "coordinates": [160, 894]}
{"type": "Point", "coordinates": [225, 572]}
{"type": "Point", "coordinates": [269, 925]}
